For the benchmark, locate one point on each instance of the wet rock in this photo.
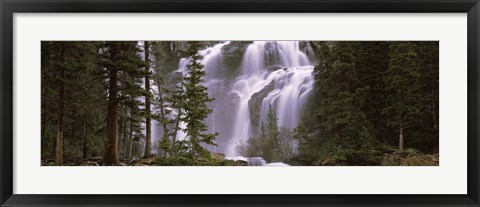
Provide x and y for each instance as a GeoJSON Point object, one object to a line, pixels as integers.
{"type": "Point", "coordinates": [233, 53]}
{"type": "Point", "coordinates": [255, 106]}
{"type": "Point", "coordinates": [241, 163]}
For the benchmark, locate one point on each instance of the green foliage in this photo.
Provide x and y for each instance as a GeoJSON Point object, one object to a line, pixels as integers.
{"type": "Point", "coordinates": [425, 130]}
{"type": "Point", "coordinates": [401, 81]}
{"type": "Point", "coordinates": [286, 145]}
{"type": "Point", "coordinates": [363, 92]}
{"type": "Point", "coordinates": [85, 67]}
{"type": "Point", "coordinates": [273, 144]}
{"type": "Point", "coordinates": [122, 68]}
{"type": "Point", "coordinates": [188, 161]}
{"type": "Point", "coordinates": [195, 105]}
{"type": "Point", "coordinates": [169, 97]}
{"type": "Point", "coordinates": [253, 147]}
{"type": "Point", "coordinates": [83, 97]}
{"type": "Point", "coordinates": [164, 147]}
{"type": "Point", "coordinates": [343, 125]}
{"type": "Point", "coordinates": [357, 157]}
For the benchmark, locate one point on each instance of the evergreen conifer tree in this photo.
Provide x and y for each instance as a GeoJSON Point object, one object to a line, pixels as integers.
{"type": "Point", "coordinates": [401, 84]}
{"type": "Point", "coordinates": [195, 105]}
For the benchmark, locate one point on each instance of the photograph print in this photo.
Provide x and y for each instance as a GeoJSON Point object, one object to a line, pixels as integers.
{"type": "Point", "coordinates": [240, 103]}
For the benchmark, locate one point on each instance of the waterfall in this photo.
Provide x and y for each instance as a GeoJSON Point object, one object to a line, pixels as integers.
{"type": "Point", "coordinates": [292, 87]}
{"type": "Point", "coordinates": [286, 64]}
{"type": "Point", "coordinates": [290, 54]}
{"type": "Point", "coordinates": [212, 60]}
{"type": "Point", "coordinates": [254, 58]}
{"type": "Point", "coordinates": [293, 82]}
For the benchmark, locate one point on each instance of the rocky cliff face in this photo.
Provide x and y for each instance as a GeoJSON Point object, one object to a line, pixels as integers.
{"type": "Point", "coordinates": [169, 53]}
{"type": "Point", "coordinates": [255, 106]}
{"type": "Point", "coordinates": [233, 53]}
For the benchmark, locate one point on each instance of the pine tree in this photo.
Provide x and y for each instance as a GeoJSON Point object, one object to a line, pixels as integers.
{"type": "Point", "coordinates": [372, 62]}
{"type": "Point", "coordinates": [49, 97]}
{"type": "Point", "coordinates": [342, 130]}
{"type": "Point", "coordinates": [425, 131]}
{"type": "Point", "coordinates": [433, 74]}
{"type": "Point", "coordinates": [148, 123]}
{"type": "Point", "coordinates": [118, 57]}
{"type": "Point", "coordinates": [164, 102]}
{"type": "Point", "coordinates": [61, 108]}
{"type": "Point", "coordinates": [66, 73]}
{"type": "Point", "coordinates": [86, 97]}
{"type": "Point", "coordinates": [401, 81]}
{"type": "Point", "coordinates": [178, 102]}
{"type": "Point", "coordinates": [271, 141]}
{"type": "Point", "coordinates": [195, 105]}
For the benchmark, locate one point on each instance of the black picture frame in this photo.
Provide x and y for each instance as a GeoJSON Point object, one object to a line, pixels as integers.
{"type": "Point", "coordinates": [10, 7]}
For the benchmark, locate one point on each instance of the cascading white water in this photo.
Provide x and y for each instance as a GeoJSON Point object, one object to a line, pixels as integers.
{"type": "Point", "coordinates": [284, 63]}
{"type": "Point", "coordinates": [293, 82]}
{"type": "Point", "coordinates": [308, 50]}
{"type": "Point", "coordinates": [245, 87]}
{"type": "Point", "coordinates": [259, 161]}
{"type": "Point", "coordinates": [212, 59]}
{"type": "Point", "coordinates": [292, 87]}
{"type": "Point", "coordinates": [254, 58]}
{"type": "Point", "coordinates": [290, 54]}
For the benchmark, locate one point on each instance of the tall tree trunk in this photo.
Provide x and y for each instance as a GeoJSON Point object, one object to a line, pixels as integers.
{"type": "Point", "coordinates": [125, 134]}
{"type": "Point", "coordinates": [163, 116]}
{"type": "Point", "coordinates": [120, 130]}
{"type": "Point", "coordinates": [148, 124]}
{"type": "Point", "coordinates": [130, 137]}
{"type": "Point", "coordinates": [175, 131]}
{"type": "Point", "coordinates": [434, 100]}
{"type": "Point", "coordinates": [400, 140]}
{"type": "Point", "coordinates": [84, 139]}
{"type": "Point", "coordinates": [43, 135]}
{"type": "Point", "coordinates": [61, 105]}
{"type": "Point", "coordinates": [111, 156]}
{"type": "Point", "coordinates": [435, 137]}
{"type": "Point", "coordinates": [435, 119]}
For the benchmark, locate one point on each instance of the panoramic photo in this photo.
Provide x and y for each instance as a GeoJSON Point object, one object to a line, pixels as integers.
{"type": "Point", "coordinates": [240, 103]}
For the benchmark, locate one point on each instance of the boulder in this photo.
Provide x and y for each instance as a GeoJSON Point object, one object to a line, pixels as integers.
{"type": "Point", "coordinates": [241, 163]}
{"type": "Point", "coordinates": [412, 158]}
{"type": "Point", "coordinates": [422, 160]}
{"type": "Point", "coordinates": [326, 162]}
{"type": "Point", "coordinates": [218, 156]}
{"type": "Point", "coordinates": [146, 161]}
